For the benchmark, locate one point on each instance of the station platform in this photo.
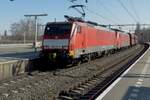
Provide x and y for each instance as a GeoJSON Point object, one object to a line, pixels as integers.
{"type": "Point", "coordinates": [11, 53]}
{"type": "Point", "coordinates": [133, 84]}
{"type": "Point", "coordinates": [18, 56]}
{"type": "Point", "coordinates": [15, 61]}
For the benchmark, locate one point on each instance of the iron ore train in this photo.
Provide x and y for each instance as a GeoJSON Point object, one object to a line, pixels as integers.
{"type": "Point", "coordinates": [76, 40]}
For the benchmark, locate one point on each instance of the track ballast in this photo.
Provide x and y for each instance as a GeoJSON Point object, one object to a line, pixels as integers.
{"type": "Point", "coordinates": [69, 83]}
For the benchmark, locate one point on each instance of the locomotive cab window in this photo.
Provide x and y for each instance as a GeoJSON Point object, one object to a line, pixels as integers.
{"type": "Point", "coordinates": [79, 29]}
{"type": "Point", "coordinates": [62, 28]}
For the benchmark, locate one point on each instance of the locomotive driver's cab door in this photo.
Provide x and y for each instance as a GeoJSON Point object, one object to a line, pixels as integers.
{"type": "Point", "coordinates": [117, 39]}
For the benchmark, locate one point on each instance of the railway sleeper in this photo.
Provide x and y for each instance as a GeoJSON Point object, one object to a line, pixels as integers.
{"type": "Point", "coordinates": [63, 97]}
{"type": "Point", "coordinates": [81, 89]}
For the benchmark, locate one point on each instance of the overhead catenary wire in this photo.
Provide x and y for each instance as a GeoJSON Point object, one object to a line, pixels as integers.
{"type": "Point", "coordinates": [97, 14]}
{"type": "Point", "coordinates": [108, 10]}
{"type": "Point", "coordinates": [112, 14]}
{"type": "Point", "coordinates": [134, 10]}
{"type": "Point", "coordinates": [76, 0]}
{"type": "Point", "coordinates": [129, 13]}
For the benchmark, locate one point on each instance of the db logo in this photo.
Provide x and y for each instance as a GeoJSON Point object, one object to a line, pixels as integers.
{"type": "Point", "coordinates": [56, 37]}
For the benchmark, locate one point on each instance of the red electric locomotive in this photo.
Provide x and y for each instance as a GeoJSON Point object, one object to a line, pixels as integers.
{"type": "Point", "coordinates": [77, 40]}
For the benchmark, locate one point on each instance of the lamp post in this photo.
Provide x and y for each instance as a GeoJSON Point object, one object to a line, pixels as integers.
{"type": "Point", "coordinates": [35, 16]}
{"type": "Point", "coordinates": [24, 38]}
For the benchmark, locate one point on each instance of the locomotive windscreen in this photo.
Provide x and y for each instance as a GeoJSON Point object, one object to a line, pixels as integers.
{"type": "Point", "coordinates": [58, 28]}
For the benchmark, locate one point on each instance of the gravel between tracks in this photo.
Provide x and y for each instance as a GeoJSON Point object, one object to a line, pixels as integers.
{"type": "Point", "coordinates": [47, 85]}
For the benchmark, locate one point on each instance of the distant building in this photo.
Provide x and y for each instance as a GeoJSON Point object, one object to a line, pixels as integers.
{"type": "Point", "coordinates": [5, 33]}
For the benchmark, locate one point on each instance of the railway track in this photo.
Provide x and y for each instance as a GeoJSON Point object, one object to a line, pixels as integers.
{"type": "Point", "coordinates": [91, 88]}
{"type": "Point", "coordinates": [71, 83]}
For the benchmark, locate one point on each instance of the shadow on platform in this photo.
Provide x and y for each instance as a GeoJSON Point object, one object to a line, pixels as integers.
{"type": "Point", "coordinates": [137, 93]}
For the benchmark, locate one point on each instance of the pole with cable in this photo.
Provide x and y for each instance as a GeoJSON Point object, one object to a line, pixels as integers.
{"type": "Point", "coordinates": [36, 34]}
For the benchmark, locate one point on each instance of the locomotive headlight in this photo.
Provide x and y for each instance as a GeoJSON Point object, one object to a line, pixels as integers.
{"type": "Point", "coordinates": [71, 53]}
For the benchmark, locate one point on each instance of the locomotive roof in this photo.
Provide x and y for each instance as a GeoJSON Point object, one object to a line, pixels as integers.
{"type": "Point", "coordinates": [58, 22]}
{"type": "Point", "coordinates": [91, 24]}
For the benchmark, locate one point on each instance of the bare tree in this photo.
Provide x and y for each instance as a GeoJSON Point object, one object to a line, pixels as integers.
{"type": "Point", "coordinates": [25, 27]}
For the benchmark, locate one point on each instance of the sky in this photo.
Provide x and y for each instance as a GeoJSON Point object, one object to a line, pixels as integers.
{"type": "Point", "coordinates": [100, 11]}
